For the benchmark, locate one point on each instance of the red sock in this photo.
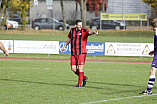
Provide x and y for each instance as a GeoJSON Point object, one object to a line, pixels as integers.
{"type": "Point", "coordinates": [81, 74]}
{"type": "Point", "coordinates": [77, 72]}
{"type": "Point", "coordinates": [84, 77]}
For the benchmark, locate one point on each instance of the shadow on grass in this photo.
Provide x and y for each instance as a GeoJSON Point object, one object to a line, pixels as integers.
{"type": "Point", "coordinates": [92, 87]}
{"type": "Point", "coordinates": [118, 88]}
{"type": "Point", "coordinates": [35, 82]}
{"type": "Point", "coordinates": [115, 84]}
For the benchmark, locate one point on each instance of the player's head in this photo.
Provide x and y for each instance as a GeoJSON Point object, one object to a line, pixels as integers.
{"type": "Point", "coordinates": [154, 23]}
{"type": "Point", "coordinates": [78, 24]}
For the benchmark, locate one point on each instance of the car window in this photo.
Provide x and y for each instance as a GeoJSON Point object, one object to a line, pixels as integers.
{"type": "Point", "coordinates": [55, 20]}
{"type": "Point", "coordinates": [43, 20]}
{"type": "Point", "coordinates": [16, 16]}
{"type": "Point", "coordinates": [50, 20]}
{"type": "Point", "coordinates": [108, 21]}
{"type": "Point", "coordinates": [38, 20]}
{"type": "Point", "coordinates": [96, 21]}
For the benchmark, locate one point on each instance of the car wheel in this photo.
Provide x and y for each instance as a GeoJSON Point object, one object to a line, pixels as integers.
{"type": "Point", "coordinates": [94, 27]}
{"type": "Point", "coordinates": [60, 28]}
{"type": "Point", "coordinates": [117, 28]}
{"type": "Point", "coordinates": [36, 28]}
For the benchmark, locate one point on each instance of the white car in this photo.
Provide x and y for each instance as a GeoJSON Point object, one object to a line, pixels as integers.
{"type": "Point", "coordinates": [10, 25]}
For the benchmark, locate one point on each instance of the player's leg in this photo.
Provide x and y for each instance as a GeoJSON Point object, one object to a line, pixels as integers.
{"type": "Point", "coordinates": [73, 63]}
{"type": "Point", "coordinates": [82, 77]}
{"type": "Point", "coordinates": [74, 68]}
{"type": "Point", "coordinates": [83, 60]}
{"type": "Point", "coordinates": [77, 72]}
{"type": "Point", "coordinates": [151, 78]}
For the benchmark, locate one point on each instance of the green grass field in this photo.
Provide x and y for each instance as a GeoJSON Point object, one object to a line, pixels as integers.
{"type": "Point", "coordinates": [103, 36]}
{"type": "Point", "coordinates": [49, 82]}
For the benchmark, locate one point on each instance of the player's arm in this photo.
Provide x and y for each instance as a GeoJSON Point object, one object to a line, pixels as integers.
{"type": "Point", "coordinates": [67, 42]}
{"type": "Point", "coordinates": [151, 52]}
{"type": "Point", "coordinates": [93, 32]}
{"type": "Point", "coordinates": [3, 49]}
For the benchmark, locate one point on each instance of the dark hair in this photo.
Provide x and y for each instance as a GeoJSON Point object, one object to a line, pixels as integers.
{"type": "Point", "coordinates": [77, 21]}
{"type": "Point", "coordinates": [154, 22]}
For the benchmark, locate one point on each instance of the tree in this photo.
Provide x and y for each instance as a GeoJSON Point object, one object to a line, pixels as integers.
{"type": "Point", "coordinates": [153, 4]}
{"type": "Point", "coordinates": [4, 12]}
{"type": "Point", "coordinates": [83, 12]}
{"type": "Point", "coordinates": [64, 19]}
{"type": "Point", "coordinates": [96, 4]}
{"type": "Point", "coordinates": [24, 6]}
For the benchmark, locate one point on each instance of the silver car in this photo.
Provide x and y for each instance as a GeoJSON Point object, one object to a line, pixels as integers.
{"type": "Point", "coordinates": [48, 23]}
{"type": "Point", "coordinates": [107, 24]}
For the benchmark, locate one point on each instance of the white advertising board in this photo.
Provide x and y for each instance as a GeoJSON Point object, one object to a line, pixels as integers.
{"type": "Point", "coordinates": [128, 49]}
{"type": "Point", "coordinates": [8, 44]}
{"type": "Point", "coordinates": [52, 47]}
{"type": "Point", "coordinates": [41, 47]}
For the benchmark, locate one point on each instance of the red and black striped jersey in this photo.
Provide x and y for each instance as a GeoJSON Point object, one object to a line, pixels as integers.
{"type": "Point", "coordinates": [78, 41]}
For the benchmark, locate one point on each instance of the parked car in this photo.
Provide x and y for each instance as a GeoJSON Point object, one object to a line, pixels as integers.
{"type": "Point", "coordinates": [106, 24]}
{"type": "Point", "coordinates": [9, 24]}
{"type": "Point", "coordinates": [16, 18]}
{"type": "Point", "coordinates": [48, 23]}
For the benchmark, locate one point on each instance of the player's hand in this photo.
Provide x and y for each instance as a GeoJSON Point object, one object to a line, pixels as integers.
{"type": "Point", "coordinates": [95, 32]}
{"type": "Point", "coordinates": [155, 29]}
{"type": "Point", "coordinates": [151, 53]}
{"type": "Point", "coordinates": [63, 49]}
{"type": "Point", "coordinates": [6, 53]}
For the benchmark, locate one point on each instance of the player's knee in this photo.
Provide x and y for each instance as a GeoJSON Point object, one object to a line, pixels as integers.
{"type": "Point", "coordinates": [153, 71]}
{"type": "Point", "coordinates": [73, 69]}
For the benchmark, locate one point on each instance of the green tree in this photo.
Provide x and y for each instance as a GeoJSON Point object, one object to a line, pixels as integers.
{"type": "Point", "coordinates": [23, 6]}
{"type": "Point", "coordinates": [4, 12]}
{"type": "Point", "coordinates": [63, 14]}
{"type": "Point", "coordinates": [153, 4]}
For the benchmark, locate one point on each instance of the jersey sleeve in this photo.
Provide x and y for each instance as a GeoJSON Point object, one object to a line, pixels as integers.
{"type": "Point", "coordinates": [86, 31]}
{"type": "Point", "coordinates": [69, 35]}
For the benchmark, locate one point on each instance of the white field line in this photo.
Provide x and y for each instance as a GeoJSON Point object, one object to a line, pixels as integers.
{"type": "Point", "coordinates": [118, 62]}
{"type": "Point", "coordinates": [118, 99]}
{"type": "Point", "coordinates": [118, 70]}
{"type": "Point", "coordinates": [25, 68]}
{"type": "Point", "coordinates": [61, 60]}
{"type": "Point", "coordinates": [87, 69]}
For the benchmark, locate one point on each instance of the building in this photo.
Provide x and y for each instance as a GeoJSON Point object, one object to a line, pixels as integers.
{"type": "Point", "coordinates": [128, 6]}
{"type": "Point", "coordinates": [72, 8]}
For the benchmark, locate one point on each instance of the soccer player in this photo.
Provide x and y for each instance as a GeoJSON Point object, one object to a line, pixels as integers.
{"type": "Point", "coordinates": [3, 49]}
{"type": "Point", "coordinates": [154, 62]}
{"type": "Point", "coordinates": [78, 38]}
